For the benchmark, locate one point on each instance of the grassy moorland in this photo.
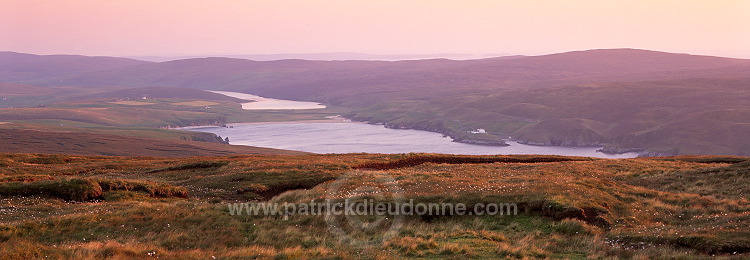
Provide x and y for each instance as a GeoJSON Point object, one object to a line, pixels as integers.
{"type": "Point", "coordinates": [120, 122]}
{"type": "Point", "coordinates": [162, 107]}
{"type": "Point", "coordinates": [86, 207]}
{"type": "Point", "coordinates": [90, 143]}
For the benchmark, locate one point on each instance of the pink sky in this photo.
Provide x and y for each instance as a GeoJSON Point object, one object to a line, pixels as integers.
{"type": "Point", "coordinates": [198, 27]}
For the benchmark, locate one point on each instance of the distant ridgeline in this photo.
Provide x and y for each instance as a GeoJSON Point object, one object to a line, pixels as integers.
{"type": "Point", "coordinates": [628, 100]}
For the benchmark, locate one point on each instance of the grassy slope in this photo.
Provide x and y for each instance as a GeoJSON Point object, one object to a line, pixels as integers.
{"type": "Point", "coordinates": [698, 116]}
{"type": "Point", "coordinates": [570, 207]}
{"type": "Point", "coordinates": [123, 107]}
{"type": "Point", "coordinates": [24, 95]}
{"type": "Point", "coordinates": [119, 122]}
{"type": "Point", "coordinates": [29, 68]}
{"type": "Point", "coordinates": [86, 143]}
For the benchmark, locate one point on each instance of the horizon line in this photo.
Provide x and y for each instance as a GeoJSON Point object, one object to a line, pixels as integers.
{"type": "Point", "coordinates": [364, 55]}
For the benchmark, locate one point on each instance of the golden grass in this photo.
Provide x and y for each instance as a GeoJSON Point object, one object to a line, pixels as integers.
{"type": "Point", "coordinates": [570, 208]}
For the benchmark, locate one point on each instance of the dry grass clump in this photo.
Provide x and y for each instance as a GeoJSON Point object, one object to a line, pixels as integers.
{"type": "Point", "coordinates": [151, 188]}
{"type": "Point", "coordinates": [26, 178]}
{"type": "Point", "coordinates": [191, 166]}
{"type": "Point", "coordinates": [575, 227]}
{"type": "Point", "coordinates": [83, 189]}
{"type": "Point", "coordinates": [414, 160]}
{"type": "Point", "coordinates": [572, 208]}
{"type": "Point", "coordinates": [74, 189]}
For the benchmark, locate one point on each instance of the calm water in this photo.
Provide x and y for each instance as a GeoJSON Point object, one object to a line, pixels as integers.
{"type": "Point", "coordinates": [269, 103]}
{"type": "Point", "coordinates": [353, 137]}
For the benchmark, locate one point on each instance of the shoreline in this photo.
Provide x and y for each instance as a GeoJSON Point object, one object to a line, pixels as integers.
{"type": "Point", "coordinates": [335, 119]}
{"type": "Point", "coordinates": [515, 147]}
{"type": "Point", "coordinates": [340, 119]}
{"type": "Point", "coordinates": [264, 103]}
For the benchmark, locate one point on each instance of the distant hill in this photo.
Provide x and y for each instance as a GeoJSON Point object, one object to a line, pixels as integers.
{"type": "Point", "coordinates": [321, 56]}
{"type": "Point", "coordinates": [26, 95]}
{"type": "Point", "coordinates": [7, 89]}
{"type": "Point", "coordinates": [374, 81]}
{"type": "Point", "coordinates": [691, 116]}
{"type": "Point", "coordinates": [630, 99]}
{"type": "Point", "coordinates": [622, 61]}
{"type": "Point", "coordinates": [163, 92]}
{"type": "Point", "coordinates": [32, 69]}
{"type": "Point", "coordinates": [320, 79]}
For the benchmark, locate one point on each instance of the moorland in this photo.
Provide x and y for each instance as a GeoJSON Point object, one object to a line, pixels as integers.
{"type": "Point", "coordinates": [93, 207]}
{"type": "Point", "coordinates": [91, 167]}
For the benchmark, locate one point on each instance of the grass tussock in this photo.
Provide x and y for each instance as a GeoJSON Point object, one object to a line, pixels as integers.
{"type": "Point", "coordinates": [414, 160]}
{"type": "Point", "coordinates": [574, 208]}
{"type": "Point", "coordinates": [74, 189]}
{"type": "Point", "coordinates": [707, 159]}
{"type": "Point", "coordinates": [191, 166]}
{"type": "Point", "coordinates": [84, 189]}
{"type": "Point", "coordinates": [26, 178]}
{"type": "Point", "coordinates": [151, 188]}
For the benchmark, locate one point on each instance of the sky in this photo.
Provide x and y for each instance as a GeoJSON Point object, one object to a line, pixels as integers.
{"type": "Point", "coordinates": [503, 27]}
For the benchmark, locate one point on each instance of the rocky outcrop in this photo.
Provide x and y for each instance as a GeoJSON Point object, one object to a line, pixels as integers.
{"type": "Point", "coordinates": [205, 137]}
{"type": "Point", "coordinates": [624, 144]}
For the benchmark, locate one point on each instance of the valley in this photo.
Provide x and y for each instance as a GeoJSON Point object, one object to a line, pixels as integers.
{"type": "Point", "coordinates": [130, 122]}
{"type": "Point", "coordinates": [651, 102]}
{"type": "Point", "coordinates": [96, 160]}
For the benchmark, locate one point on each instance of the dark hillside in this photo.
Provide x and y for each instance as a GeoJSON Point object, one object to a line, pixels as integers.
{"type": "Point", "coordinates": [374, 81]}
{"type": "Point", "coordinates": [162, 92]}
{"type": "Point", "coordinates": [48, 142]}
{"type": "Point", "coordinates": [31, 69]}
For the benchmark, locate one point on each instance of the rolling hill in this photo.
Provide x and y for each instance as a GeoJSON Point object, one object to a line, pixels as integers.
{"type": "Point", "coordinates": [696, 116]}
{"type": "Point", "coordinates": [31, 69]}
{"type": "Point", "coordinates": [162, 92]}
{"type": "Point", "coordinates": [82, 143]}
{"type": "Point", "coordinates": [630, 99]}
{"type": "Point", "coordinates": [376, 81]}
{"type": "Point", "coordinates": [119, 121]}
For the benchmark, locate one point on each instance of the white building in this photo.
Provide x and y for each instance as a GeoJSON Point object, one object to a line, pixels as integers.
{"type": "Point", "coordinates": [478, 131]}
